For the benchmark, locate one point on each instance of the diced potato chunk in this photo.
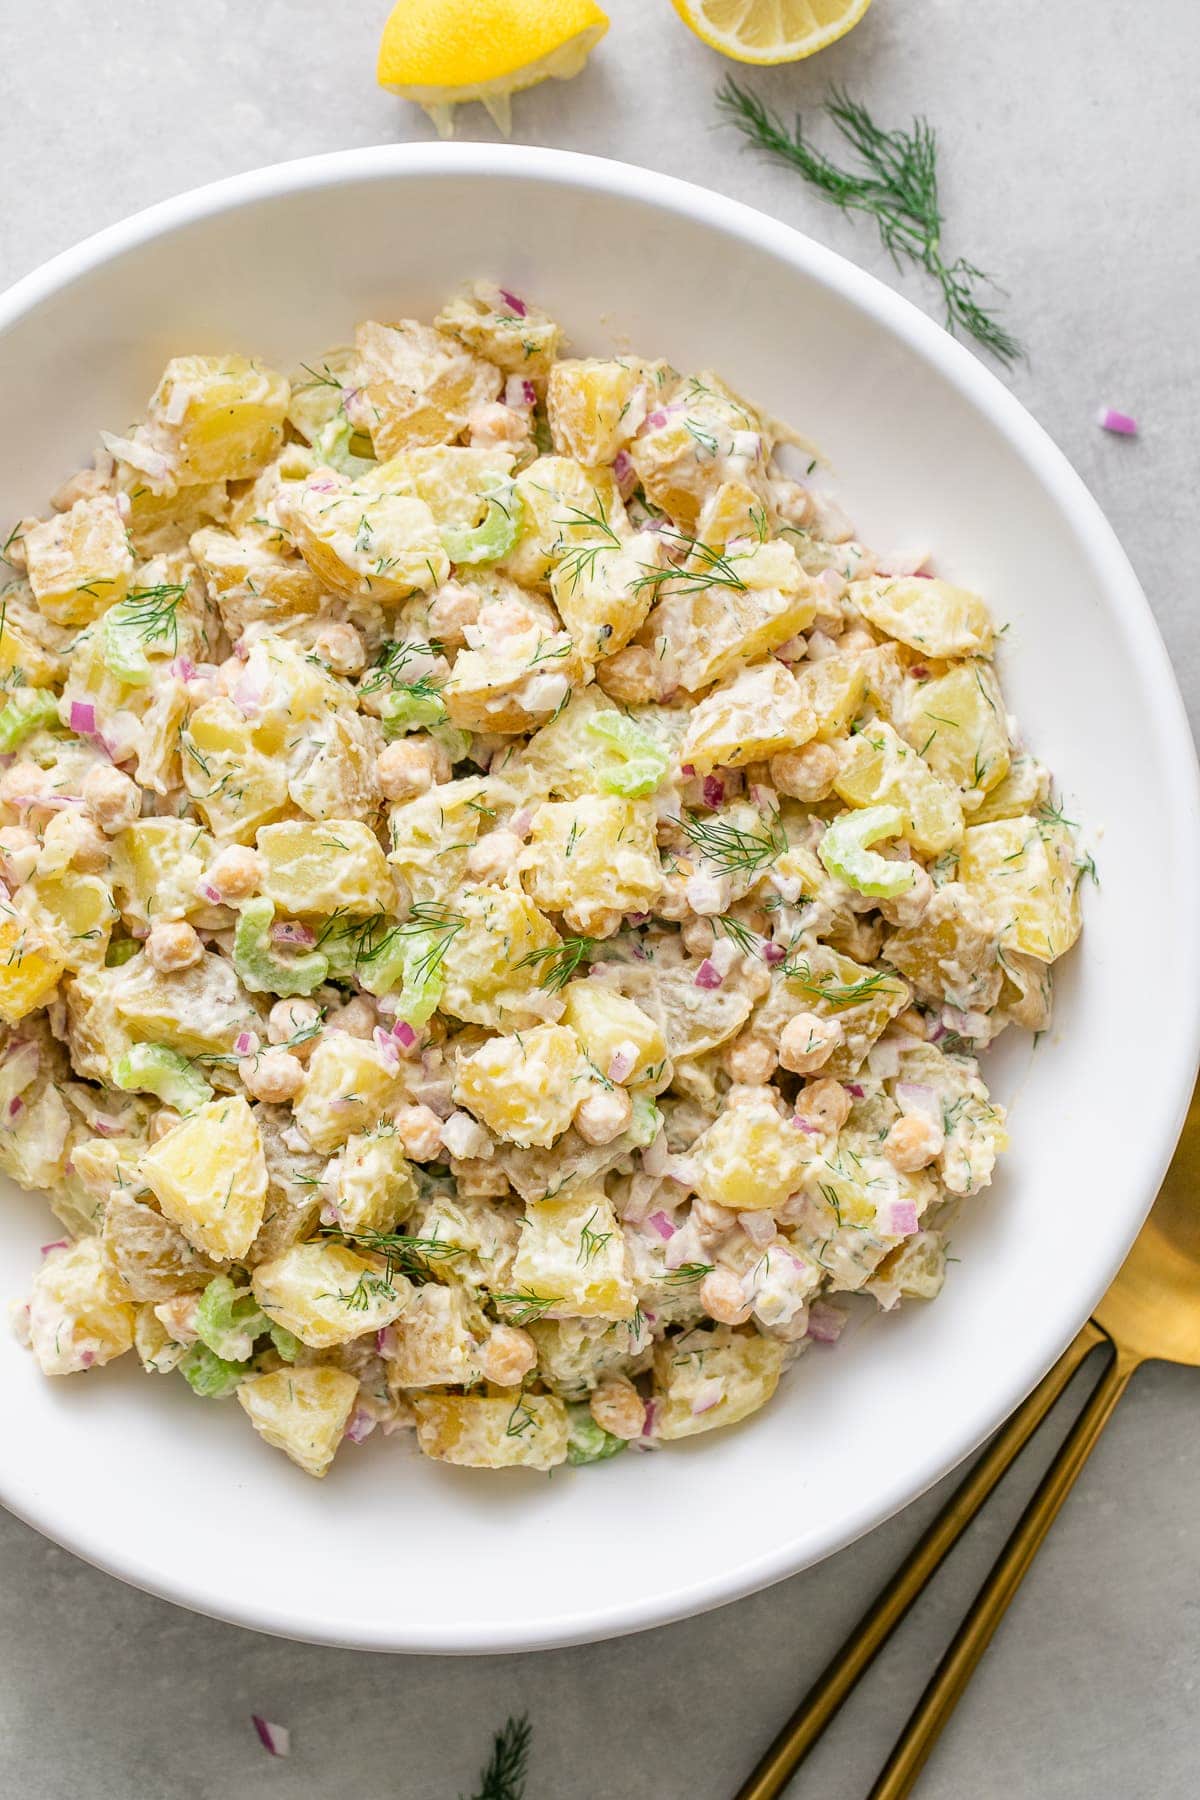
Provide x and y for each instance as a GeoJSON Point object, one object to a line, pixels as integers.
{"type": "Point", "coordinates": [705, 438]}
{"type": "Point", "coordinates": [956, 723]}
{"type": "Point", "coordinates": [231, 772]}
{"type": "Point", "coordinates": [198, 1011]}
{"type": "Point", "coordinates": [414, 385]}
{"type": "Point", "coordinates": [363, 544]}
{"type": "Point", "coordinates": [210, 1178]}
{"type": "Point", "coordinates": [525, 1088]}
{"type": "Point", "coordinates": [589, 402]}
{"type": "Point", "coordinates": [760, 712]}
{"type": "Point", "coordinates": [694, 1019]}
{"type": "Point", "coordinates": [833, 689]}
{"type": "Point", "coordinates": [326, 1293]}
{"type": "Point", "coordinates": [341, 782]}
{"type": "Point", "coordinates": [73, 913]}
{"type": "Point", "coordinates": [347, 1087]}
{"type": "Point", "coordinates": [879, 768]}
{"type": "Point", "coordinates": [19, 652]}
{"type": "Point", "coordinates": [437, 1342]}
{"type": "Point", "coordinates": [950, 954]}
{"type": "Point", "coordinates": [513, 1431]}
{"type": "Point", "coordinates": [602, 591]}
{"type": "Point", "coordinates": [713, 1377]}
{"type": "Point", "coordinates": [508, 331]}
{"type": "Point", "coordinates": [861, 1000]}
{"type": "Point", "coordinates": [489, 978]}
{"type": "Point", "coordinates": [565, 506]}
{"type": "Point", "coordinates": [750, 1159]}
{"type": "Point", "coordinates": [450, 478]}
{"type": "Point", "coordinates": [1025, 789]}
{"type": "Point", "coordinates": [255, 582]}
{"type": "Point", "coordinates": [80, 1311]}
{"type": "Point", "coordinates": [302, 1412]}
{"type": "Point", "coordinates": [376, 1187]}
{"type": "Point", "coordinates": [432, 835]}
{"type": "Point", "coordinates": [157, 864]}
{"type": "Point", "coordinates": [30, 967]}
{"type": "Point", "coordinates": [712, 621]}
{"type": "Point", "coordinates": [514, 683]}
{"type": "Point", "coordinates": [218, 418]}
{"type": "Point", "coordinates": [593, 858]}
{"type": "Point", "coordinates": [929, 615]}
{"type": "Point", "coordinates": [606, 1023]}
{"type": "Point", "coordinates": [337, 866]}
{"type": "Point", "coordinates": [571, 1260]}
{"type": "Point", "coordinates": [79, 562]}
{"type": "Point", "coordinates": [1025, 873]}
{"type": "Point", "coordinates": [151, 1255]}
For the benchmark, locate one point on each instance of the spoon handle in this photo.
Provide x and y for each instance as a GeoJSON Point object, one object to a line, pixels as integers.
{"type": "Point", "coordinates": [851, 1662]}
{"type": "Point", "coordinates": [975, 1633]}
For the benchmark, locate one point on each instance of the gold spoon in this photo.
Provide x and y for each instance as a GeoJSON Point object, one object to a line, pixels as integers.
{"type": "Point", "coordinates": [1151, 1311]}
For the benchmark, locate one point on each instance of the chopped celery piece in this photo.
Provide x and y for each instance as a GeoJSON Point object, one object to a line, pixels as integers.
{"type": "Point", "coordinates": [120, 951]}
{"type": "Point", "coordinates": [259, 964]}
{"type": "Point", "coordinates": [26, 710]}
{"type": "Point", "coordinates": [154, 1069]}
{"type": "Point", "coordinates": [454, 741]}
{"type": "Point", "coordinates": [228, 1319]}
{"type": "Point", "coordinates": [332, 446]}
{"type": "Point", "coordinates": [644, 1125]}
{"type": "Point", "coordinates": [422, 979]}
{"type": "Point", "coordinates": [370, 952]}
{"type": "Point", "coordinates": [287, 1346]}
{"type": "Point", "coordinates": [588, 1442]}
{"type": "Point", "coordinates": [410, 707]}
{"type": "Point", "coordinates": [121, 647]}
{"type": "Point", "coordinates": [495, 537]}
{"type": "Point", "coordinates": [844, 849]}
{"type": "Point", "coordinates": [207, 1374]}
{"type": "Point", "coordinates": [641, 761]}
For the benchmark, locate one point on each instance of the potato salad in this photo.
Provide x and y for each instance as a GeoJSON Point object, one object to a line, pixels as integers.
{"type": "Point", "coordinates": [503, 895]}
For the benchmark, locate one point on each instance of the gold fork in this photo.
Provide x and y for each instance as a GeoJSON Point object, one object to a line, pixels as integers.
{"type": "Point", "coordinates": [1151, 1311]}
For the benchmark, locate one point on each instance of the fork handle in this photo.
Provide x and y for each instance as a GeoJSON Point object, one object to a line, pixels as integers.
{"type": "Point", "coordinates": [975, 1633]}
{"type": "Point", "coordinates": [780, 1762]}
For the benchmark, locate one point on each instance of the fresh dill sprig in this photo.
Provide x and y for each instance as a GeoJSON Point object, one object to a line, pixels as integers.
{"type": "Point", "coordinates": [824, 987]}
{"type": "Point", "coordinates": [503, 1777]}
{"type": "Point", "coordinates": [686, 1273]}
{"type": "Point", "coordinates": [150, 611]}
{"type": "Point", "coordinates": [580, 559]}
{"type": "Point", "coordinates": [747, 941]}
{"type": "Point", "coordinates": [729, 849]}
{"type": "Point", "coordinates": [402, 1254]}
{"type": "Point", "coordinates": [897, 186]}
{"type": "Point", "coordinates": [524, 1305]}
{"type": "Point", "coordinates": [441, 928]}
{"type": "Point", "coordinates": [710, 569]}
{"type": "Point", "coordinates": [324, 378]}
{"type": "Point", "coordinates": [591, 1242]}
{"type": "Point", "coordinates": [393, 658]}
{"type": "Point", "coordinates": [556, 963]}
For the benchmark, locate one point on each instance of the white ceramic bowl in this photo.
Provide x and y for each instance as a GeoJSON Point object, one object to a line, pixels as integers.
{"type": "Point", "coordinates": [395, 1553]}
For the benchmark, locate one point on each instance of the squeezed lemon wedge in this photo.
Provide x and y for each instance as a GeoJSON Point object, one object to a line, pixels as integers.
{"type": "Point", "coordinates": [444, 53]}
{"type": "Point", "coordinates": [769, 31]}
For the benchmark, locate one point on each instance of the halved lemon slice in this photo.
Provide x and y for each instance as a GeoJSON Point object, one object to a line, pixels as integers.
{"type": "Point", "coordinates": [443, 53]}
{"type": "Point", "coordinates": [770, 31]}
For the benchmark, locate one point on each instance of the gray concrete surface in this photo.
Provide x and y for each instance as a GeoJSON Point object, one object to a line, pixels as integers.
{"type": "Point", "coordinates": [1071, 153]}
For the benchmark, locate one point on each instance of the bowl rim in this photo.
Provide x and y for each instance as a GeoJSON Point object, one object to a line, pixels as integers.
{"type": "Point", "coordinates": [1044, 1339]}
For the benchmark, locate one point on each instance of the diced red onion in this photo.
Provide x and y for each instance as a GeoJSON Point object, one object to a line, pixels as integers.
{"type": "Point", "coordinates": [248, 696]}
{"type": "Point", "coordinates": [208, 892]}
{"type": "Point", "coordinates": [183, 668]}
{"type": "Point", "coordinates": [83, 718]}
{"type": "Point", "coordinates": [382, 1339]}
{"type": "Point", "coordinates": [624, 474]}
{"type": "Point", "coordinates": [687, 769]}
{"type": "Point", "coordinates": [654, 1156]}
{"type": "Point", "coordinates": [898, 1218]}
{"type": "Point", "coordinates": [681, 1169]}
{"type": "Point", "coordinates": [361, 1425]}
{"type": "Point", "coordinates": [404, 1031]}
{"type": "Point", "coordinates": [1121, 423]}
{"type": "Point", "coordinates": [290, 931]}
{"type": "Point", "coordinates": [759, 1227]}
{"type": "Point", "coordinates": [773, 953]}
{"type": "Point", "coordinates": [386, 1045]}
{"type": "Point", "coordinates": [622, 1062]}
{"type": "Point", "coordinates": [513, 303]}
{"type": "Point", "coordinates": [58, 1244]}
{"type": "Point", "coordinates": [939, 1031]}
{"type": "Point", "coordinates": [325, 486]}
{"type": "Point", "coordinates": [856, 1088]}
{"type": "Point", "coordinates": [87, 1358]}
{"type": "Point", "coordinates": [917, 1097]}
{"type": "Point", "coordinates": [825, 1323]}
{"type": "Point", "coordinates": [15, 1105]}
{"type": "Point", "coordinates": [519, 394]}
{"type": "Point", "coordinates": [659, 1223]}
{"type": "Point", "coordinates": [656, 420]}
{"type": "Point", "coordinates": [106, 1126]}
{"type": "Point", "coordinates": [650, 1418]}
{"type": "Point", "coordinates": [806, 1126]}
{"type": "Point", "coordinates": [276, 1740]}
{"type": "Point", "coordinates": [708, 975]}
{"type": "Point", "coordinates": [710, 1393]}
{"type": "Point", "coordinates": [714, 790]}
{"type": "Point", "coordinates": [246, 1043]}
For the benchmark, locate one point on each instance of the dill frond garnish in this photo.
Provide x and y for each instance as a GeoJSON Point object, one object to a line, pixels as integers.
{"type": "Point", "coordinates": [393, 658]}
{"type": "Point", "coordinates": [591, 1242]}
{"type": "Point", "coordinates": [402, 1254]}
{"type": "Point", "coordinates": [557, 963]}
{"type": "Point", "coordinates": [580, 559]}
{"type": "Point", "coordinates": [503, 1777]}
{"type": "Point", "coordinates": [747, 941]}
{"type": "Point", "coordinates": [150, 612]}
{"type": "Point", "coordinates": [686, 1273]}
{"type": "Point", "coordinates": [837, 993]}
{"type": "Point", "coordinates": [710, 569]}
{"type": "Point", "coordinates": [524, 1305]}
{"type": "Point", "coordinates": [728, 848]}
{"type": "Point", "coordinates": [897, 186]}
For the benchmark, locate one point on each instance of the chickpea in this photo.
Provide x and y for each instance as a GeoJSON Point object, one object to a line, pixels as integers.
{"type": "Point", "coordinates": [341, 647]}
{"type": "Point", "coordinates": [806, 774]}
{"type": "Point", "coordinates": [22, 781]}
{"type": "Point", "coordinates": [508, 1356]}
{"type": "Point", "coordinates": [235, 873]}
{"type": "Point", "coordinates": [493, 856]}
{"type": "Point", "coordinates": [708, 894]}
{"type": "Point", "coordinates": [603, 922]}
{"type": "Point", "coordinates": [807, 1042]}
{"type": "Point", "coordinates": [603, 1115]}
{"type": "Point", "coordinates": [721, 1296]}
{"type": "Point", "coordinates": [273, 1076]}
{"type": "Point", "coordinates": [633, 675]}
{"type": "Point", "coordinates": [170, 948]}
{"type": "Point", "coordinates": [358, 1018]}
{"type": "Point", "coordinates": [698, 937]}
{"type": "Point", "coordinates": [750, 1060]}
{"type": "Point", "coordinates": [912, 1144]}
{"type": "Point", "coordinates": [287, 1018]}
{"type": "Point", "coordinates": [672, 902]}
{"type": "Point", "coordinates": [465, 1137]}
{"type": "Point", "coordinates": [711, 1220]}
{"type": "Point", "coordinates": [110, 798]}
{"type": "Point", "coordinates": [420, 1132]}
{"type": "Point", "coordinates": [451, 610]}
{"type": "Point", "coordinates": [164, 1120]}
{"type": "Point", "coordinates": [825, 1103]}
{"type": "Point", "coordinates": [856, 641]}
{"type": "Point", "coordinates": [83, 845]}
{"type": "Point", "coordinates": [18, 854]}
{"type": "Point", "coordinates": [410, 767]}
{"type": "Point", "coordinates": [754, 977]}
{"type": "Point", "coordinates": [618, 1408]}
{"type": "Point", "coordinates": [493, 426]}
{"type": "Point", "coordinates": [912, 1021]}
{"type": "Point", "coordinates": [910, 908]}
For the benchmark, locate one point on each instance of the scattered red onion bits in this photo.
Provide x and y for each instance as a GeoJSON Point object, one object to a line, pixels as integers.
{"type": "Point", "coordinates": [276, 1740]}
{"type": "Point", "coordinates": [1119, 423]}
